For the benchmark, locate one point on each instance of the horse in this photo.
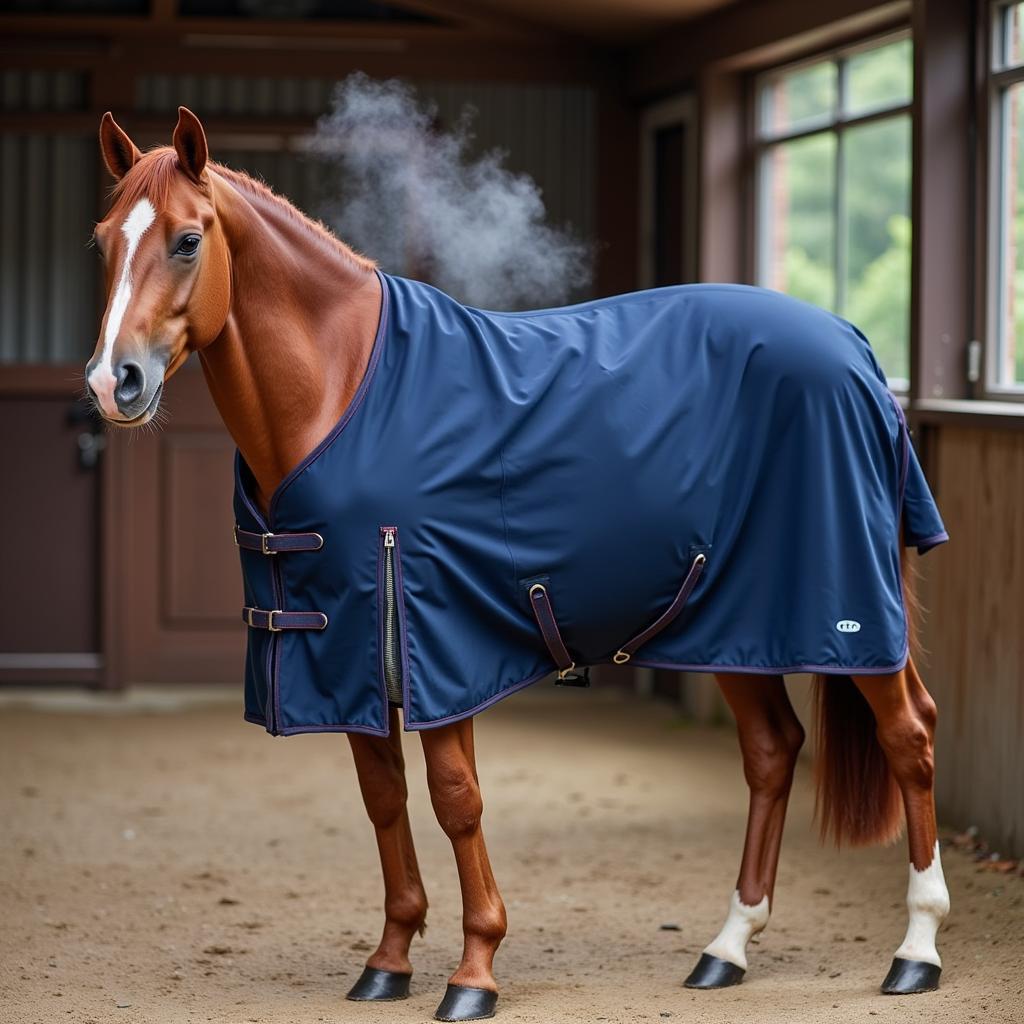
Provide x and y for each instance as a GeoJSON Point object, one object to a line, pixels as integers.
{"type": "Point", "coordinates": [284, 319]}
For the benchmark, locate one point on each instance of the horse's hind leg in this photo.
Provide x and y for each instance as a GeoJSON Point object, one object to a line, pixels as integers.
{"type": "Point", "coordinates": [770, 738]}
{"type": "Point", "coordinates": [905, 720]}
{"type": "Point", "coordinates": [381, 771]}
{"type": "Point", "coordinates": [455, 794]}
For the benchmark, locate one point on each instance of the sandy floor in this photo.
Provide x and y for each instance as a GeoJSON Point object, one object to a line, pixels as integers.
{"type": "Point", "coordinates": [186, 867]}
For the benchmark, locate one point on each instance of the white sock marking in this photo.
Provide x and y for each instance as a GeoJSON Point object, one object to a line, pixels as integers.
{"type": "Point", "coordinates": [102, 379]}
{"type": "Point", "coordinates": [742, 923]}
{"type": "Point", "coordinates": [928, 903]}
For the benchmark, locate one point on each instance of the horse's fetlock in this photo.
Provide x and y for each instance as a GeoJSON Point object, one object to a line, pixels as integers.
{"type": "Point", "coordinates": [408, 910]}
{"type": "Point", "coordinates": [489, 922]}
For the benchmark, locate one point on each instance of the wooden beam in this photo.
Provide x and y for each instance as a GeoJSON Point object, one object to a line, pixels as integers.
{"type": "Point", "coordinates": [468, 13]}
{"type": "Point", "coordinates": [448, 56]}
{"type": "Point", "coordinates": [163, 12]}
{"type": "Point", "coordinates": [942, 274]}
{"type": "Point", "coordinates": [735, 38]}
{"type": "Point", "coordinates": [722, 179]}
{"type": "Point", "coordinates": [131, 25]}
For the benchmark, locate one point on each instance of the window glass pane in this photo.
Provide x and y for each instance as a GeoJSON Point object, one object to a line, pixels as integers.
{"type": "Point", "coordinates": [876, 223]}
{"type": "Point", "coordinates": [798, 99]}
{"type": "Point", "coordinates": [1009, 50]}
{"type": "Point", "coordinates": [798, 219]}
{"type": "Point", "coordinates": [880, 77]}
{"type": "Point", "coordinates": [1010, 351]}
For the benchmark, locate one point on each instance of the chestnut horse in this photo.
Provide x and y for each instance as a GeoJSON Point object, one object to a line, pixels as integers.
{"type": "Point", "coordinates": [282, 315]}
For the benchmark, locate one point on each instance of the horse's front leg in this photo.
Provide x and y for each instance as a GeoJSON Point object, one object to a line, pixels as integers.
{"type": "Point", "coordinates": [455, 793]}
{"type": "Point", "coordinates": [381, 770]}
{"type": "Point", "coordinates": [905, 717]}
{"type": "Point", "coordinates": [770, 738]}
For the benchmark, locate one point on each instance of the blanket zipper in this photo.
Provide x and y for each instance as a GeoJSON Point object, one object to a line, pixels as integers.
{"type": "Point", "coordinates": [391, 640]}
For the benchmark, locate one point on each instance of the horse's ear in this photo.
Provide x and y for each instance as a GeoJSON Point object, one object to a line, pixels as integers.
{"type": "Point", "coordinates": [190, 144]}
{"type": "Point", "coordinates": [119, 152]}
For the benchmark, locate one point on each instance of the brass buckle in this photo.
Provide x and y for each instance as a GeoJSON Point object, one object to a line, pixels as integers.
{"type": "Point", "coordinates": [562, 673]}
{"type": "Point", "coordinates": [270, 620]}
{"type": "Point", "coordinates": [248, 617]}
{"type": "Point", "coordinates": [621, 657]}
{"type": "Point", "coordinates": [263, 544]}
{"type": "Point", "coordinates": [234, 534]}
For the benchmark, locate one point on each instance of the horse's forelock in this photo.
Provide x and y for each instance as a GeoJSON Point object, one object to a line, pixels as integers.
{"type": "Point", "coordinates": [151, 178]}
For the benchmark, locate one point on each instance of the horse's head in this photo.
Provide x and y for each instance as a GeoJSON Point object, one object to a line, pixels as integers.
{"type": "Point", "coordinates": [168, 276]}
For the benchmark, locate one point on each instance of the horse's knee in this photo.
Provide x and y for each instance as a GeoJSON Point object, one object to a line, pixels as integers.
{"type": "Point", "coordinates": [769, 757]}
{"type": "Point", "coordinates": [455, 794]}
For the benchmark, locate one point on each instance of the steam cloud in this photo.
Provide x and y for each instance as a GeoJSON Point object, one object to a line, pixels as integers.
{"type": "Point", "coordinates": [414, 200]}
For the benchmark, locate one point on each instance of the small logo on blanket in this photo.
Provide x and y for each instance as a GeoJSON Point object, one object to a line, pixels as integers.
{"type": "Point", "coordinates": [848, 626]}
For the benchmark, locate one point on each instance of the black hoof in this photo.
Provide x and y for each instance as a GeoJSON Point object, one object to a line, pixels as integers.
{"type": "Point", "coordinates": [711, 972]}
{"type": "Point", "coordinates": [462, 1003]}
{"type": "Point", "coordinates": [906, 977]}
{"type": "Point", "coordinates": [379, 985]}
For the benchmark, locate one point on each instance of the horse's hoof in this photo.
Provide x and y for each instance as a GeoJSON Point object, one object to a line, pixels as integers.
{"type": "Point", "coordinates": [711, 972]}
{"type": "Point", "coordinates": [907, 977]}
{"type": "Point", "coordinates": [379, 986]}
{"type": "Point", "coordinates": [463, 1003]}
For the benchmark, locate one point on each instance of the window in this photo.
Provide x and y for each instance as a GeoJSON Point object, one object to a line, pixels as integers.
{"type": "Point", "coordinates": [833, 199]}
{"type": "Point", "coordinates": [1006, 334]}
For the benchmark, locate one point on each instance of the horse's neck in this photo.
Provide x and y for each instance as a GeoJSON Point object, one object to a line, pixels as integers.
{"type": "Point", "coordinates": [297, 339]}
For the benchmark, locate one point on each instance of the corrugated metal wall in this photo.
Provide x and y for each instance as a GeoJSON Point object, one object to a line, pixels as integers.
{"type": "Point", "coordinates": [546, 130]}
{"type": "Point", "coordinates": [48, 274]}
{"type": "Point", "coordinates": [42, 90]}
{"type": "Point", "coordinates": [50, 184]}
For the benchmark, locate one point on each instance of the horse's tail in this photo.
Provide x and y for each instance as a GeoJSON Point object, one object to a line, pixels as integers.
{"type": "Point", "coordinates": [858, 801]}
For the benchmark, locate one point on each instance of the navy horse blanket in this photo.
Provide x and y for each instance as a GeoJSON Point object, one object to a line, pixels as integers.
{"type": "Point", "coordinates": [704, 477]}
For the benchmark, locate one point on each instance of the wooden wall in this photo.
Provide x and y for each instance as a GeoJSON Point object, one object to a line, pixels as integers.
{"type": "Point", "coordinates": [973, 591]}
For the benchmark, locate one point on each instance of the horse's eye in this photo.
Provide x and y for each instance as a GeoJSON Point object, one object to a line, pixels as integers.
{"type": "Point", "coordinates": [188, 246]}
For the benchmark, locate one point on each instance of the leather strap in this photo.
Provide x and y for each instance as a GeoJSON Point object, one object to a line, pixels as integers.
{"type": "Point", "coordinates": [277, 543]}
{"type": "Point", "coordinates": [545, 616]}
{"type": "Point", "coordinates": [628, 649]}
{"type": "Point", "coordinates": [276, 620]}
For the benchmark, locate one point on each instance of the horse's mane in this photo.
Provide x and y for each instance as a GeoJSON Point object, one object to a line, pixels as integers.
{"type": "Point", "coordinates": [154, 175]}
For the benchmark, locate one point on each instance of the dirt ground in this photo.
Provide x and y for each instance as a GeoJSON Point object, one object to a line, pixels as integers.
{"type": "Point", "coordinates": [185, 867]}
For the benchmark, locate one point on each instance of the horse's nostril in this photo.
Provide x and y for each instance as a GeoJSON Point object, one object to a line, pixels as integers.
{"type": "Point", "coordinates": [131, 382]}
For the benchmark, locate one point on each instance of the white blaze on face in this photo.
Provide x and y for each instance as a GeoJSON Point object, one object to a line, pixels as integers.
{"type": "Point", "coordinates": [102, 379]}
{"type": "Point", "coordinates": [928, 903]}
{"type": "Point", "coordinates": [740, 926]}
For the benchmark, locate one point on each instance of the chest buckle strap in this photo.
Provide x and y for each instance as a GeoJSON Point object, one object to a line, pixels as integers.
{"type": "Point", "coordinates": [276, 620]}
{"type": "Point", "coordinates": [277, 543]}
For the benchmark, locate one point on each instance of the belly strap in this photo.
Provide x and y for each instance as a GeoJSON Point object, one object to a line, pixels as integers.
{"type": "Point", "coordinates": [543, 612]}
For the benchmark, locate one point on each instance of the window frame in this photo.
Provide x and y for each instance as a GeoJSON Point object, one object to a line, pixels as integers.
{"type": "Point", "coordinates": [839, 123]}
{"type": "Point", "coordinates": [999, 79]}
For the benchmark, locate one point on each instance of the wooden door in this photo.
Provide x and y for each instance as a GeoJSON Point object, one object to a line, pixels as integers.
{"type": "Point", "coordinates": [668, 193]}
{"type": "Point", "coordinates": [50, 547]}
{"type": "Point", "coordinates": [174, 570]}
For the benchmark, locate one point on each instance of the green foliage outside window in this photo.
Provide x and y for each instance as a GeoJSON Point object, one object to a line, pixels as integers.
{"type": "Point", "coordinates": [835, 204]}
